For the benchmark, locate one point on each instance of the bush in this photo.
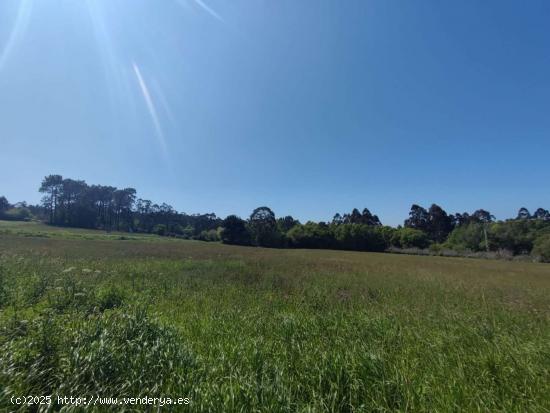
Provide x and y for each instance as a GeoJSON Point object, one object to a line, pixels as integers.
{"type": "Point", "coordinates": [388, 234]}
{"type": "Point", "coordinates": [211, 235]}
{"type": "Point", "coordinates": [109, 298]}
{"type": "Point", "coordinates": [467, 237]}
{"type": "Point", "coordinates": [114, 353]}
{"type": "Point", "coordinates": [159, 229]}
{"type": "Point", "coordinates": [411, 238]}
{"type": "Point", "coordinates": [436, 248]}
{"type": "Point", "coordinates": [17, 214]}
{"type": "Point", "coordinates": [310, 235]}
{"type": "Point", "coordinates": [179, 231]}
{"type": "Point", "coordinates": [517, 235]}
{"type": "Point", "coordinates": [542, 248]}
{"type": "Point", "coordinates": [176, 230]}
{"type": "Point", "coordinates": [359, 237]}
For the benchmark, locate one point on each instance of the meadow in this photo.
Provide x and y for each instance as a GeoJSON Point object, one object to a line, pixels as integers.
{"type": "Point", "coordinates": [241, 329]}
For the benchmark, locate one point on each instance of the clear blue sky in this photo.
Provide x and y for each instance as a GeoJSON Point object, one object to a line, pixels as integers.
{"type": "Point", "coordinates": [309, 107]}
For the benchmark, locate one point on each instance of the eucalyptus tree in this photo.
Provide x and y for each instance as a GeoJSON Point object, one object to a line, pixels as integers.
{"type": "Point", "coordinates": [263, 227]}
{"type": "Point", "coordinates": [523, 213]}
{"type": "Point", "coordinates": [542, 214]}
{"type": "Point", "coordinates": [4, 204]}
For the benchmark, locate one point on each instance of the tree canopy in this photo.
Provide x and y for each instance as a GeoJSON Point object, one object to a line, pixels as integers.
{"type": "Point", "coordinates": [74, 203]}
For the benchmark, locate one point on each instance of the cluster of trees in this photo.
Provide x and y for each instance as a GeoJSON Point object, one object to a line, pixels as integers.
{"type": "Point", "coordinates": [524, 234]}
{"type": "Point", "coordinates": [356, 230]}
{"type": "Point", "coordinates": [360, 231]}
{"type": "Point", "coordinates": [74, 203]}
{"type": "Point", "coordinates": [425, 228]}
{"type": "Point", "coordinates": [19, 211]}
{"type": "Point", "coordinates": [69, 202]}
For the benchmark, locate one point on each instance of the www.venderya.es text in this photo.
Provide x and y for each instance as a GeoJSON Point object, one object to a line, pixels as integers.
{"type": "Point", "coordinates": [96, 400]}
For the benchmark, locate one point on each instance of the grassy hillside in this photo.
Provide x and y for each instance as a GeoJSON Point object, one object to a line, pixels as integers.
{"type": "Point", "coordinates": [39, 230]}
{"type": "Point", "coordinates": [251, 329]}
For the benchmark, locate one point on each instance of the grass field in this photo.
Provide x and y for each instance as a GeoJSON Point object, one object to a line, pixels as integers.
{"type": "Point", "coordinates": [251, 329]}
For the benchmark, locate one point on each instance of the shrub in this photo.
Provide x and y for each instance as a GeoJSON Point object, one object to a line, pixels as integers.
{"type": "Point", "coordinates": [69, 294]}
{"type": "Point", "coordinates": [358, 237]}
{"type": "Point", "coordinates": [211, 235]}
{"type": "Point", "coordinates": [516, 235]}
{"type": "Point", "coordinates": [411, 238]}
{"type": "Point", "coordinates": [17, 214]}
{"type": "Point", "coordinates": [111, 297]}
{"type": "Point", "coordinates": [176, 229]}
{"type": "Point", "coordinates": [542, 248]}
{"type": "Point", "coordinates": [436, 248]}
{"type": "Point", "coordinates": [310, 235]}
{"type": "Point", "coordinates": [387, 233]}
{"type": "Point", "coordinates": [466, 237]}
{"type": "Point", "coordinates": [114, 353]}
{"type": "Point", "coordinates": [159, 229]}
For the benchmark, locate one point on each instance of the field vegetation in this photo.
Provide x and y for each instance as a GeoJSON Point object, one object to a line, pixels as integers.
{"type": "Point", "coordinates": [73, 203]}
{"type": "Point", "coordinates": [276, 330]}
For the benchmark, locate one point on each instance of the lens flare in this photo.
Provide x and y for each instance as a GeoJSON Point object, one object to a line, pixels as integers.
{"type": "Point", "coordinates": [209, 10]}
{"type": "Point", "coordinates": [18, 30]}
{"type": "Point", "coordinates": [115, 72]}
{"type": "Point", "coordinates": [151, 107]}
{"type": "Point", "coordinates": [202, 5]}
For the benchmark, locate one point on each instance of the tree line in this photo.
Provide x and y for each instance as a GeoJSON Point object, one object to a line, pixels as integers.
{"type": "Point", "coordinates": [74, 203]}
{"type": "Point", "coordinates": [431, 229]}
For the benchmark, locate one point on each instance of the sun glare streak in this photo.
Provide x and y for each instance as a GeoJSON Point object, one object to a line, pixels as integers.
{"type": "Point", "coordinates": [203, 6]}
{"type": "Point", "coordinates": [151, 108]}
{"type": "Point", "coordinates": [116, 73]}
{"type": "Point", "coordinates": [159, 94]}
{"type": "Point", "coordinates": [209, 10]}
{"type": "Point", "coordinates": [19, 28]}
{"type": "Point", "coordinates": [119, 77]}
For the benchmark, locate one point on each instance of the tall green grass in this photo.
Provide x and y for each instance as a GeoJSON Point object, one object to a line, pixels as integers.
{"type": "Point", "coordinates": [238, 329]}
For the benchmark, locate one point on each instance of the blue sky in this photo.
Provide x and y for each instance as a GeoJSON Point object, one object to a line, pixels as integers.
{"type": "Point", "coordinates": [309, 107]}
